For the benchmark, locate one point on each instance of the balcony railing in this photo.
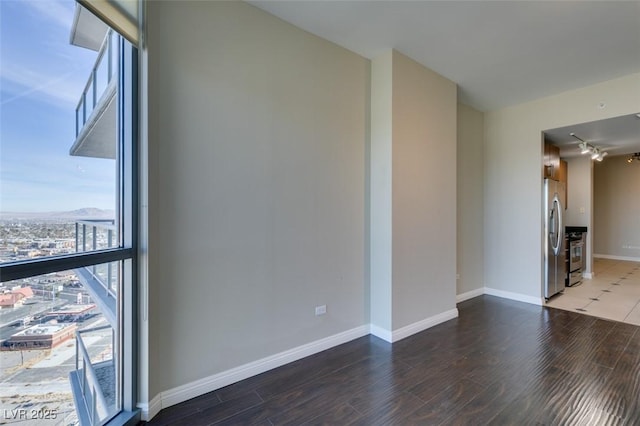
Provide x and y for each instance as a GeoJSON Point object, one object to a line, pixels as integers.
{"type": "Point", "coordinates": [102, 74]}
{"type": "Point", "coordinates": [100, 281]}
{"type": "Point", "coordinates": [94, 235]}
{"type": "Point", "coordinates": [94, 379]}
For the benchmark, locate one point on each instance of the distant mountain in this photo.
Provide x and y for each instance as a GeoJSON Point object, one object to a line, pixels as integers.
{"type": "Point", "coordinates": [88, 212]}
{"type": "Point", "coordinates": [83, 213]}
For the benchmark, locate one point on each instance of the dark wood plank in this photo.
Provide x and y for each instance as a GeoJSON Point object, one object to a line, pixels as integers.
{"type": "Point", "coordinates": [308, 400]}
{"type": "Point", "coordinates": [610, 350]}
{"type": "Point", "coordinates": [485, 406]}
{"type": "Point", "coordinates": [499, 362]}
{"type": "Point", "coordinates": [386, 408]}
{"type": "Point", "coordinates": [619, 394]}
{"type": "Point", "coordinates": [342, 415]}
{"type": "Point", "coordinates": [442, 405]}
{"type": "Point", "coordinates": [212, 414]}
{"type": "Point", "coordinates": [191, 407]}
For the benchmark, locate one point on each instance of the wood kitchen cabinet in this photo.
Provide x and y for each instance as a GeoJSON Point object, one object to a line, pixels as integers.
{"type": "Point", "coordinates": [562, 177]}
{"type": "Point", "coordinates": [555, 168]}
{"type": "Point", "coordinates": [551, 161]}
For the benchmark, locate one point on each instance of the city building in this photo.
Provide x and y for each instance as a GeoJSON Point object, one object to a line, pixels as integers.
{"type": "Point", "coordinates": [15, 297]}
{"type": "Point", "coordinates": [72, 313]}
{"type": "Point", "coordinates": [40, 337]}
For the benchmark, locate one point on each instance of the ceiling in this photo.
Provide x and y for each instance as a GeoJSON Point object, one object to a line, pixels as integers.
{"type": "Point", "coordinates": [500, 53]}
{"type": "Point", "coordinates": [617, 136]}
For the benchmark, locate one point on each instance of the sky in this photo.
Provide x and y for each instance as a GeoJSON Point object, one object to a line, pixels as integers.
{"type": "Point", "coordinates": [42, 77]}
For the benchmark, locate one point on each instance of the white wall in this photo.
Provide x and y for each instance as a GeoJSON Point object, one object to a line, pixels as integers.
{"type": "Point", "coordinates": [470, 200]}
{"type": "Point", "coordinates": [513, 177]}
{"type": "Point", "coordinates": [617, 208]}
{"type": "Point", "coordinates": [580, 200]}
{"type": "Point", "coordinates": [380, 178]}
{"type": "Point", "coordinates": [257, 175]}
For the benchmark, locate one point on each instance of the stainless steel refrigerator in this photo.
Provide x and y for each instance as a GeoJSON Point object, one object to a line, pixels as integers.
{"type": "Point", "coordinates": [555, 269]}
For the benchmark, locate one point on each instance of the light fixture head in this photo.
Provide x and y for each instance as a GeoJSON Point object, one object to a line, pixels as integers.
{"type": "Point", "coordinates": [635, 156]}
{"type": "Point", "coordinates": [595, 153]}
{"type": "Point", "coordinates": [584, 148]}
{"type": "Point", "coordinates": [601, 156]}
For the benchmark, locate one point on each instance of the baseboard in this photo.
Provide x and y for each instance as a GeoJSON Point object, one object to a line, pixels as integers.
{"type": "Point", "coordinates": [499, 293]}
{"type": "Point", "coordinates": [201, 386]}
{"type": "Point", "coordinates": [588, 275]}
{"type": "Point", "coordinates": [469, 295]}
{"type": "Point", "coordinates": [381, 333]}
{"type": "Point", "coordinates": [424, 324]}
{"type": "Point", "coordinates": [411, 329]}
{"type": "Point", "coordinates": [513, 296]}
{"type": "Point", "coordinates": [150, 409]}
{"type": "Point", "coordinates": [626, 258]}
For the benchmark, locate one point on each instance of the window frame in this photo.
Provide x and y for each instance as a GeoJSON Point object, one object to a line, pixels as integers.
{"type": "Point", "coordinates": [127, 187]}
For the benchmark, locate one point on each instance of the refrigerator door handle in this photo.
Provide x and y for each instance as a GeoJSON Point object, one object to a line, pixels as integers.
{"type": "Point", "coordinates": [552, 226]}
{"type": "Point", "coordinates": [557, 209]}
{"type": "Point", "coordinates": [560, 224]}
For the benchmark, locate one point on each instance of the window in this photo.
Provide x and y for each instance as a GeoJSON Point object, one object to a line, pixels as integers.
{"type": "Point", "coordinates": [68, 219]}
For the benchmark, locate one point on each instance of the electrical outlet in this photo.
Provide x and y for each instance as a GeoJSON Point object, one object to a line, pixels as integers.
{"type": "Point", "coordinates": [321, 310]}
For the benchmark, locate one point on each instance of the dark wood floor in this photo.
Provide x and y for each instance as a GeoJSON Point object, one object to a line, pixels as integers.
{"type": "Point", "coordinates": [501, 362]}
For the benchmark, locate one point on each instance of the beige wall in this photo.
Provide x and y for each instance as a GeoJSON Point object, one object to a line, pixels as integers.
{"type": "Point", "coordinates": [617, 208]}
{"type": "Point", "coordinates": [580, 200]}
{"type": "Point", "coordinates": [470, 200]}
{"type": "Point", "coordinates": [513, 177]}
{"type": "Point", "coordinates": [413, 193]}
{"type": "Point", "coordinates": [257, 175]}
{"type": "Point", "coordinates": [579, 189]}
{"type": "Point", "coordinates": [424, 192]}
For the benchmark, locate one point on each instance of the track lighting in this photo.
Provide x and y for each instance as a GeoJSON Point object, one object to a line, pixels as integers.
{"type": "Point", "coordinates": [601, 156]}
{"type": "Point", "coordinates": [634, 157]}
{"type": "Point", "coordinates": [585, 148]}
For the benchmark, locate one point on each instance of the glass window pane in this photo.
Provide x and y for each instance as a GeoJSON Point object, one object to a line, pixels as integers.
{"type": "Point", "coordinates": [54, 325]}
{"type": "Point", "coordinates": [89, 98]}
{"type": "Point", "coordinates": [62, 333]}
{"type": "Point", "coordinates": [102, 74]}
{"type": "Point", "coordinates": [114, 55]}
{"type": "Point", "coordinates": [79, 117]}
{"type": "Point", "coordinates": [50, 178]}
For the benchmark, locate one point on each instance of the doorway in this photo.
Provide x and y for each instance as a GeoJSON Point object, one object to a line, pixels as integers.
{"type": "Point", "coordinates": [603, 195]}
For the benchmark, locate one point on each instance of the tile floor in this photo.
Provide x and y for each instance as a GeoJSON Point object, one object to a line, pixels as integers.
{"type": "Point", "coordinates": [613, 293]}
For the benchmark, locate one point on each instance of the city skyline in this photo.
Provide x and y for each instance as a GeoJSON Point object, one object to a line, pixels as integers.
{"type": "Point", "coordinates": [41, 80]}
